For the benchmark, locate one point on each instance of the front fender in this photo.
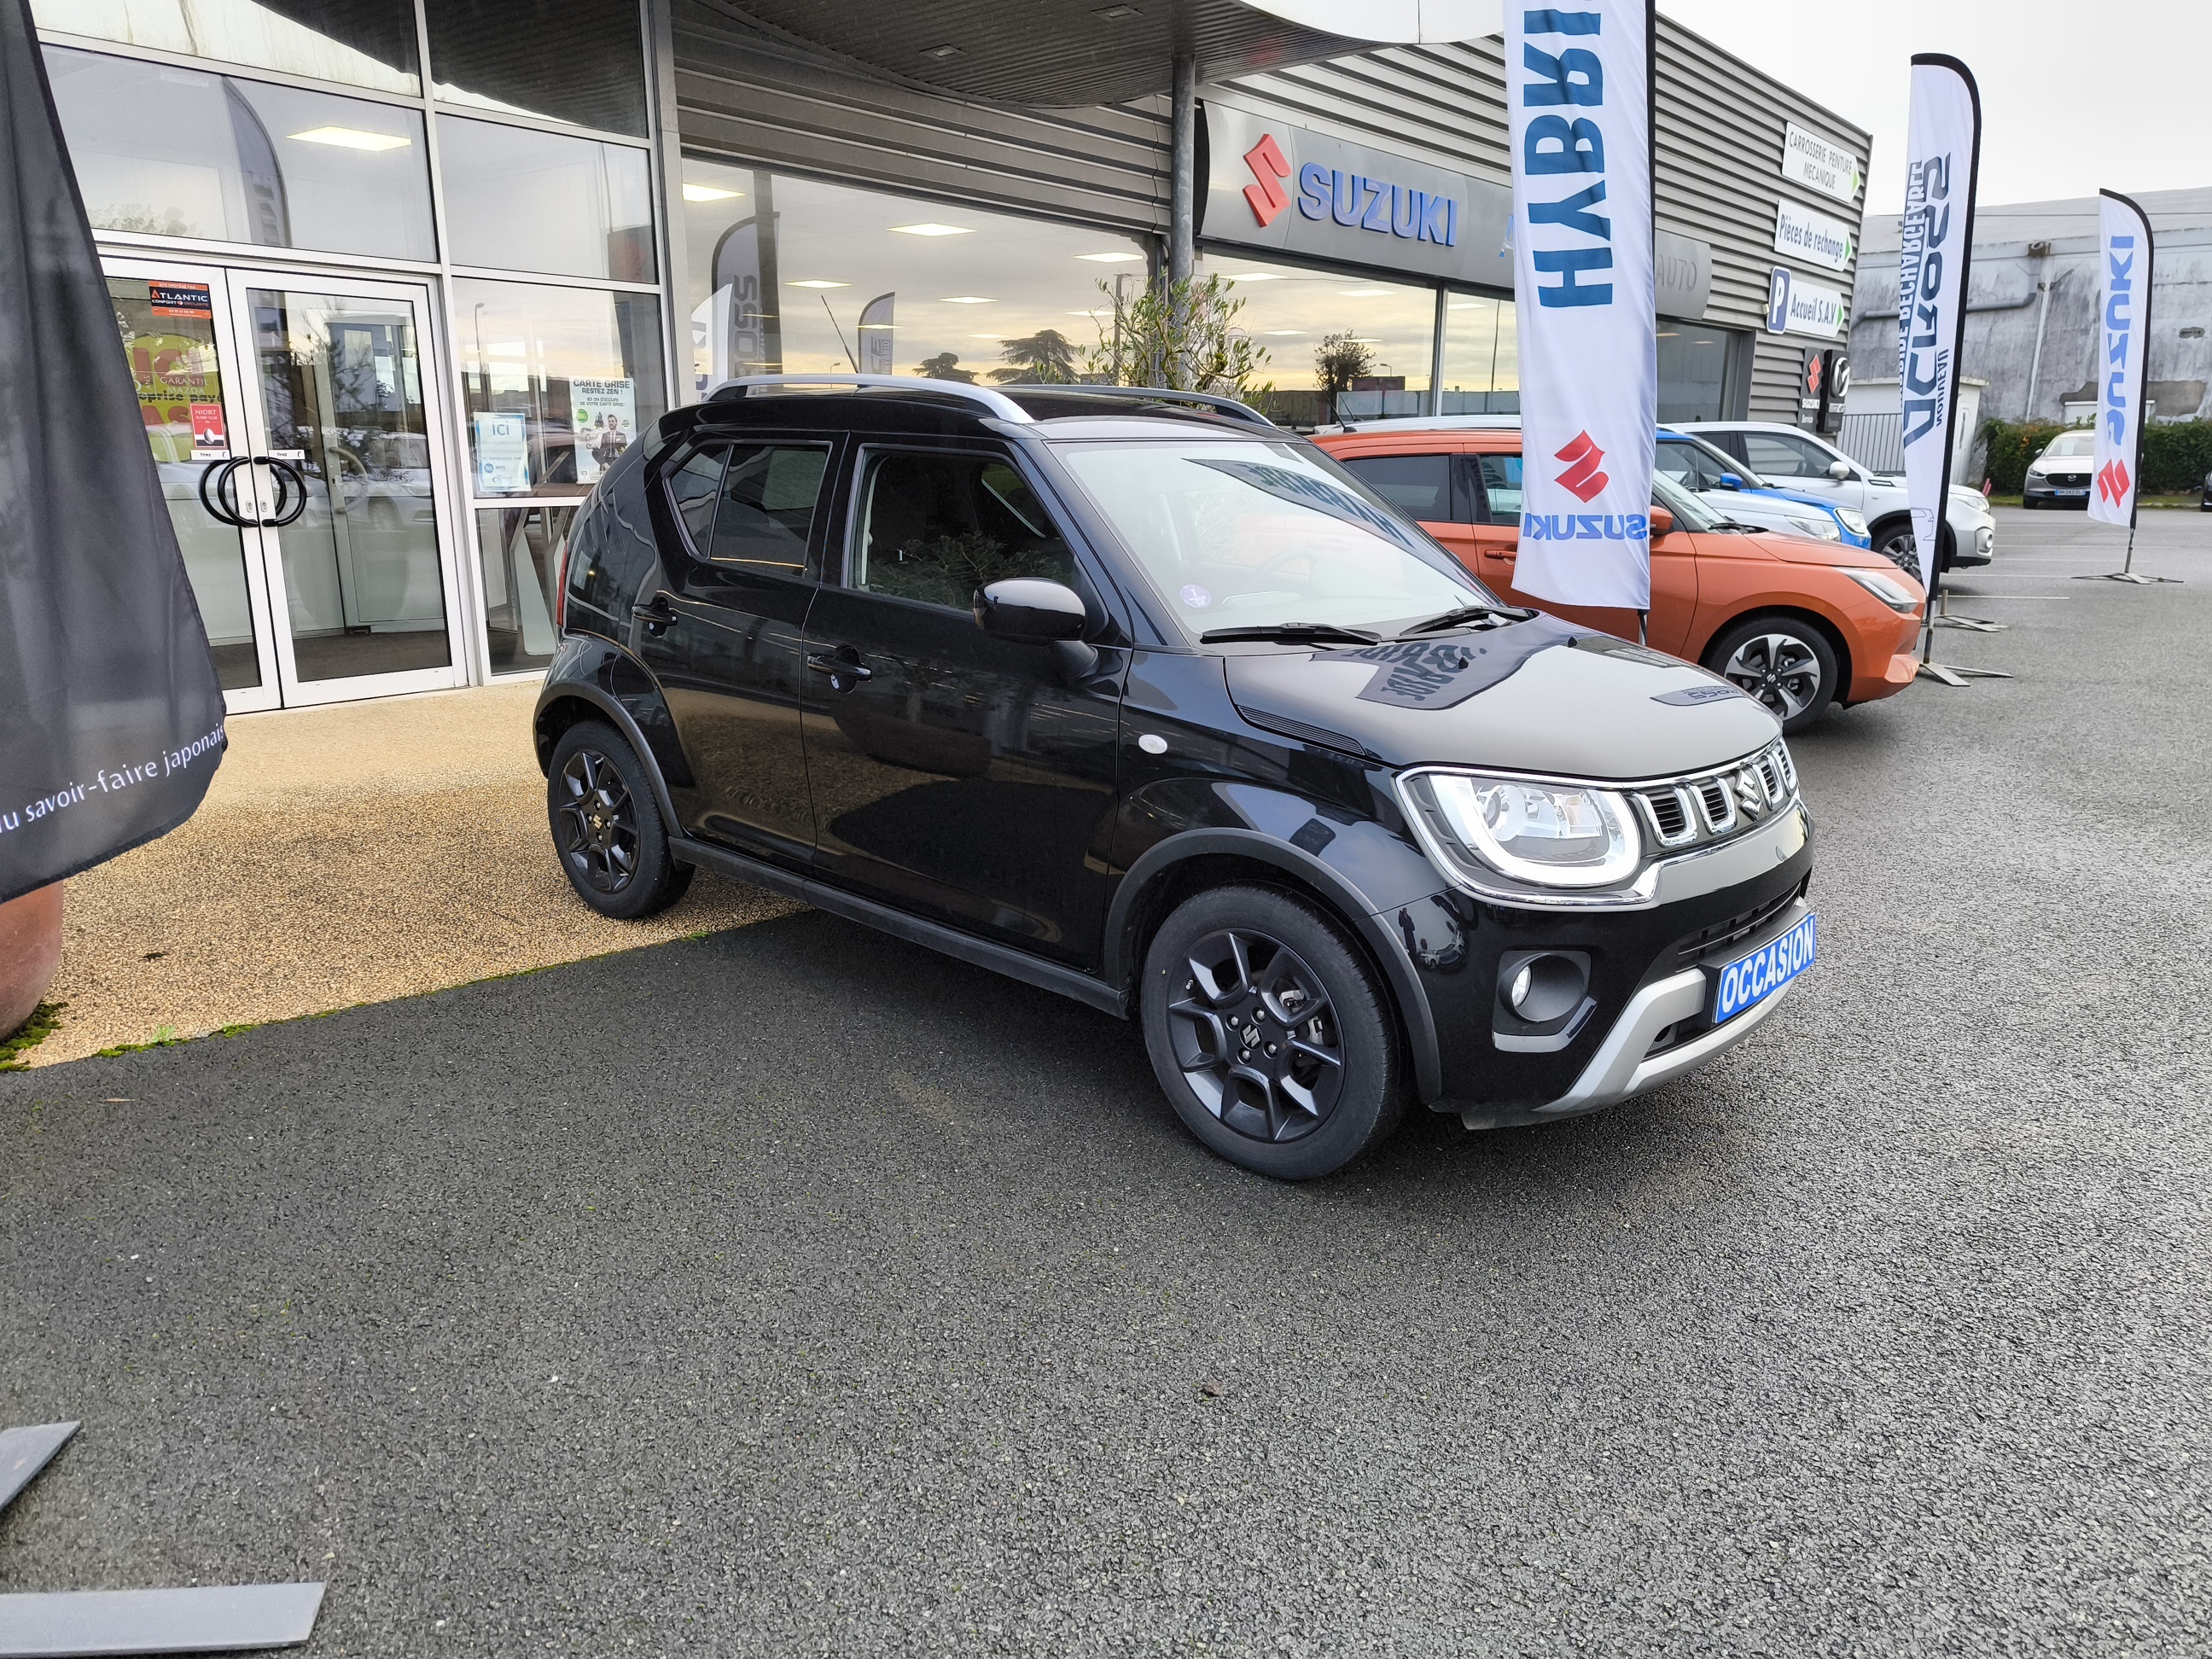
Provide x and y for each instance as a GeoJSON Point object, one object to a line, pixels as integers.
{"type": "Point", "coordinates": [599, 672]}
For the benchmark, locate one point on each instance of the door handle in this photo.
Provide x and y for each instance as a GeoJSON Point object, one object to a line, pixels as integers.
{"type": "Point", "coordinates": [291, 491]}
{"type": "Point", "coordinates": [222, 503]}
{"type": "Point", "coordinates": [655, 615]}
{"type": "Point", "coordinates": [844, 671]}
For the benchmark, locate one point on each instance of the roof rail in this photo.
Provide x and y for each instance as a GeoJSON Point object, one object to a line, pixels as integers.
{"type": "Point", "coordinates": [997, 402]}
{"type": "Point", "coordinates": [1153, 394]}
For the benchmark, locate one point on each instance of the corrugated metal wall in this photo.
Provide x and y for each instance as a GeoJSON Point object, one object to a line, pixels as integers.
{"type": "Point", "coordinates": [744, 93]}
{"type": "Point", "coordinates": [1720, 153]}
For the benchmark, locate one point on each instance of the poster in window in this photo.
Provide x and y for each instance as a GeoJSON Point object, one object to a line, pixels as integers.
{"type": "Point", "coordinates": [502, 454]}
{"type": "Point", "coordinates": [606, 414]}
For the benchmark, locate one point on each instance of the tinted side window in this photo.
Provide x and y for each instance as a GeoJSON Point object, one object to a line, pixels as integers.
{"type": "Point", "coordinates": [937, 527]}
{"type": "Point", "coordinates": [1688, 465]}
{"type": "Point", "coordinates": [766, 512]}
{"type": "Point", "coordinates": [1782, 458]}
{"type": "Point", "coordinates": [691, 488]}
{"type": "Point", "coordinates": [1419, 486]}
{"type": "Point", "coordinates": [1501, 482]}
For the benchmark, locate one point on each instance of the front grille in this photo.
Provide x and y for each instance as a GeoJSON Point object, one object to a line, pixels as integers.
{"type": "Point", "coordinates": [1713, 940]}
{"type": "Point", "coordinates": [2066, 480]}
{"type": "Point", "coordinates": [1705, 807]}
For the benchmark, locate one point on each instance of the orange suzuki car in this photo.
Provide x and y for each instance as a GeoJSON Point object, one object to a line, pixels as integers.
{"type": "Point", "coordinates": [1797, 624]}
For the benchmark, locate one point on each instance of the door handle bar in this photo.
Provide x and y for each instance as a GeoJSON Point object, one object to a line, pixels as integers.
{"type": "Point", "coordinates": [840, 668]}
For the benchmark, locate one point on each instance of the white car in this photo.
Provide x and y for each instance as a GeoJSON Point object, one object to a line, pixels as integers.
{"type": "Point", "coordinates": [1795, 459]}
{"type": "Point", "coordinates": [2060, 476]}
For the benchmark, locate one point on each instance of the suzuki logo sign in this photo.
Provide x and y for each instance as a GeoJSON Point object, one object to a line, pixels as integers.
{"type": "Point", "coordinates": [2113, 482]}
{"type": "Point", "coordinates": [1582, 479]}
{"type": "Point", "coordinates": [1269, 169]}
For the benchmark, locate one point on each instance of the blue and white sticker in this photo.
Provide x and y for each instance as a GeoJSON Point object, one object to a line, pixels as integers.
{"type": "Point", "coordinates": [1758, 976]}
{"type": "Point", "coordinates": [1195, 597]}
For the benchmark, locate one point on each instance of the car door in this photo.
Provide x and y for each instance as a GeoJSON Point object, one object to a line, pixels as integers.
{"type": "Point", "coordinates": [741, 526]}
{"type": "Point", "coordinates": [957, 776]}
{"type": "Point", "coordinates": [1430, 487]}
{"type": "Point", "coordinates": [1793, 463]}
{"type": "Point", "coordinates": [1674, 563]}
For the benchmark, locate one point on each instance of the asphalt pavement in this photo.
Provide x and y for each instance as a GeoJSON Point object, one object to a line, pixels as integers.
{"type": "Point", "coordinates": [791, 1291]}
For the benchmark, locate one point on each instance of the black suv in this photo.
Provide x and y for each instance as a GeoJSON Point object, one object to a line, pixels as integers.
{"type": "Point", "coordinates": [1137, 697]}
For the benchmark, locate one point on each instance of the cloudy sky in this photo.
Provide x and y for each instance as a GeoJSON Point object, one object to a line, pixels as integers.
{"type": "Point", "coordinates": [2077, 96]}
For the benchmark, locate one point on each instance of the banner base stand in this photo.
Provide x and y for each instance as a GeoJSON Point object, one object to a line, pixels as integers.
{"type": "Point", "coordinates": [1974, 623]}
{"type": "Point", "coordinates": [1951, 674]}
{"type": "Point", "coordinates": [2135, 576]}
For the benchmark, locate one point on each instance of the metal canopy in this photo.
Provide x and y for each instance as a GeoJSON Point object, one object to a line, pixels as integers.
{"type": "Point", "coordinates": [1058, 53]}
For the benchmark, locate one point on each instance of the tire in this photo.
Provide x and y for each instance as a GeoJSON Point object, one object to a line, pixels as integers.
{"type": "Point", "coordinates": [1786, 662]}
{"type": "Point", "coordinates": [607, 831]}
{"type": "Point", "coordinates": [1893, 539]}
{"type": "Point", "coordinates": [1247, 960]}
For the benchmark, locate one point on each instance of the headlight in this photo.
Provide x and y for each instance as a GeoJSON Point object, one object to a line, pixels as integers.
{"type": "Point", "coordinates": [1886, 588]}
{"type": "Point", "coordinates": [1549, 834]}
{"type": "Point", "coordinates": [1854, 522]}
{"type": "Point", "coordinates": [1820, 530]}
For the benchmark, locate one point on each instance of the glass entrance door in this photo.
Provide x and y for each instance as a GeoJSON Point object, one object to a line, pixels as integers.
{"type": "Point", "coordinates": [305, 470]}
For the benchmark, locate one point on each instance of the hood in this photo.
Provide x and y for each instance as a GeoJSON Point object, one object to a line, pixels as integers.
{"type": "Point", "coordinates": [1797, 549]}
{"type": "Point", "coordinates": [1540, 697]}
{"type": "Point", "coordinates": [1790, 495]}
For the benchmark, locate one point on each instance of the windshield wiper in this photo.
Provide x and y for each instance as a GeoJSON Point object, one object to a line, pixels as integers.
{"type": "Point", "coordinates": [1465, 614]}
{"type": "Point", "coordinates": [1293, 633]}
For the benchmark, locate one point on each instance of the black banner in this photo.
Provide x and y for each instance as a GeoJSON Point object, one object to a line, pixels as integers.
{"type": "Point", "coordinates": [110, 718]}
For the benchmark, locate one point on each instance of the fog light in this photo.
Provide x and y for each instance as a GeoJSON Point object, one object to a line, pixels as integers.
{"type": "Point", "coordinates": [1519, 993]}
{"type": "Point", "coordinates": [1543, 986]}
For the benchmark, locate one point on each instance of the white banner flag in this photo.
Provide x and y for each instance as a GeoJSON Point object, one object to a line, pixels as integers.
{"type": "Point", "coordinates": [1578, 88]}
{"type": "Point", "coordinates": [2122, 329]}
{"type": "Point", "coordinates": [1943, 151]}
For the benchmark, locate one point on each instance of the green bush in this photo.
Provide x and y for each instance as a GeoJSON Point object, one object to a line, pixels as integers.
{"type": "Point", "coordinates": [2175, 454]}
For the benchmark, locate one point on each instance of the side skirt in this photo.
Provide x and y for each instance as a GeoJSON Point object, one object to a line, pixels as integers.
{"type": "Point", "coordinates": [981, 953]}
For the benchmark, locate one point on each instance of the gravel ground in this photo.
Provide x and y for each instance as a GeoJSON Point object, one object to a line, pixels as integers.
{"type": "Point", "coordinates": [346, 854]}
{"type": "Point", "coordinates": [792, 1292]}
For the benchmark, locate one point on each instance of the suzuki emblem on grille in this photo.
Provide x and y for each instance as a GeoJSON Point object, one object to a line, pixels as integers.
{"type": "Point", "coordinates": [1750, 792]}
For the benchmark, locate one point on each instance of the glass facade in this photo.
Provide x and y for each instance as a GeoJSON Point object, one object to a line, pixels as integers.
{"type": "Point", "coordinates": [791, 276]}
{"type": "Point", "coordinates": [518, 561]}
{"type": "Point", "coordinates": [528, 200]}
{"type": "Point", "coordinates": [1482, 356]}
{"type": "Point", "coordinates": [1338, 346]}
{"type": "Point", "coordinates": [362, 43]}
{"type": "Point", "coordinates": [1692, 371]}
{"type": "Point", "coordinates": [551, 60]}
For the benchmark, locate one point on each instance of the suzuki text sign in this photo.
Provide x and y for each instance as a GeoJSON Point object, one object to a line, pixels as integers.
{"type": "Point", "coordinates": [1942, 153]}
{"type": "Point", "coordinates": [2123, 272]}
{"type": "Point", "coordinates": [1578, 96]}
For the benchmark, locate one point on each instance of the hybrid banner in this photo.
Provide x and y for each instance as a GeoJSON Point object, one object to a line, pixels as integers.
{"type": "Point", "coordinates": [1578, 89]}
{"type": "Point", "coordinates": [111, 717]}
{"type": "Point", "coordinates": [2124, 269]}
{"type": "Point", "coordinates": [1942, 153]}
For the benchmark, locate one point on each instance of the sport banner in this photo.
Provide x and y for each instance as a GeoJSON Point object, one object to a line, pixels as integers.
{"type": "Point", "coordinates": [1942, 153]}
{"type": "Point", "coordinates": [1578, 90]}
{"type": "Point", "coordinates": [2124, 275]}
{"type": "Point", "coordinates": [111, 717]}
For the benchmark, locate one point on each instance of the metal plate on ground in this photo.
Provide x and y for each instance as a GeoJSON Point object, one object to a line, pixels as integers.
{"type": "Point", "coordinates": [210, 1619]}
{"type": "Point", "coordinates": [24, 1452]}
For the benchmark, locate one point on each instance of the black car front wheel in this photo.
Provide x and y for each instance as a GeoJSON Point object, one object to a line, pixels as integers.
{"type": "Point", "coordinates": [613, 845]}
{"type": "Point", "coordinates": [1269, 1034]}
{"type": "Point", "coordinates": [1785, 662]}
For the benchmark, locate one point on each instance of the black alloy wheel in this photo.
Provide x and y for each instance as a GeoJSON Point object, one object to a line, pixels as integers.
{"type": "Point", "coordinates": [1269, 1034]}
{"type": "Point", "coordinates": [1787, 665]}
{"type": "Point", "coordinates": [608, 832]}
{"type": "Point", "coordinates": [1894, 542]}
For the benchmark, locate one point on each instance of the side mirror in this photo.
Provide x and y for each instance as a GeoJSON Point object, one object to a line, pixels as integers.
{"type": "Point", "coordinates": [1031, 612]}
{"type": "Point", "coordinates": [1662, 523]}
{"type": "Point", "coordinates": [1839, 471]}
{"type": "Point", "coordinates": [1729, 481]}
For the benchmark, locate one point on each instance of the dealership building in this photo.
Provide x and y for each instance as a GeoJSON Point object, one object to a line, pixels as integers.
{"type": "Point", "coordinates": [438, 261]}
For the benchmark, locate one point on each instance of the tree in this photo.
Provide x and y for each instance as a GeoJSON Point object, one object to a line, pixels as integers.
{"type": "Point", "coordinates": [1182, 336]}
{"type": "Point", "coordinates": [1339, 360]}
{"type": "Point", "coordinates": [941, 368]}
{"type": "Point", "coordinates": [1046, 355]}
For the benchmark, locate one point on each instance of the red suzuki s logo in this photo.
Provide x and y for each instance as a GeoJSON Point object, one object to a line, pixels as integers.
{"type": "Point", "coordinates": [2112, 483]}
{"type": "Point", "coordinates": [1582, 476]}
{"type": "Point", "coordinates": [1267, 195]}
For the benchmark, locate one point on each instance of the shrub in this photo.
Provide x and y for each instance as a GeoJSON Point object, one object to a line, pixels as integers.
{"type": "Point", "coordinates": [2175, 454]}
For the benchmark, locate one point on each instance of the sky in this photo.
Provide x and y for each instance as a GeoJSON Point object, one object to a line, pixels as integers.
{"type": "Point", "coordinates": [2075, 97]}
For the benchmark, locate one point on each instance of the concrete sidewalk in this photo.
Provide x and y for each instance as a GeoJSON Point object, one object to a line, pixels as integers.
{"type": "Point", "coordinates": [346, 854]}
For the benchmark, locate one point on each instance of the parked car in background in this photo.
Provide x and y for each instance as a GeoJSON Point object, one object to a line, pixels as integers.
{"type": "Point", "coordinates": [1732, 489]}
{"type": "Point", "coordinates": [1138, 698]}
{"type": "Point", "coordinates": [2204, 496]}
{"type": "Point", "coordinates": [1797, 459]}
{"type": "Point", "coordinates": [2059, 477]}
{"type": "Point", "coordinates": [1796, 623]}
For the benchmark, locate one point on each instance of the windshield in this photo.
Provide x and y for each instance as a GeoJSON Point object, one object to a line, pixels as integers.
{"type": "Point", "coordinates": [2074, 443]}
{"type": "Point", "coordinates": [1253, 535]}
{"type": "Point", "coordinates": [1694, 464]}
{"type": "Point", "coordinates": [1690, 513]}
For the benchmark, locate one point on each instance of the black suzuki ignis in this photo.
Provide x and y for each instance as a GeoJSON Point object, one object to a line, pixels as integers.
{"type": "Point", "coordinates": [1135, 697]}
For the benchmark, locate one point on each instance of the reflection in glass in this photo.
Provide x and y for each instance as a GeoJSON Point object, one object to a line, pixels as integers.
{"type": "Point", "coordinates": [363, 43]}
{"type": "Point", "coordinates": [1482, 356]}
{"type": "Point", "coordinates": [791, 276]}
{"type": "Point", "coordinates": [1291, 311]}
{"type": "Point", "coordinates": [519, 550]}
{"type": "Point", "coordinates": [526, 200]}
{"type": "Point", "coordinates": [558, 382]}
{"type": "Point", "coordinates": [168, 337]}
{"type": "Point", "coordinates": [1692, 365]}
{"type": "Point", "coordinates": [554, 59]}
{"type": "Point", "coordinates": [178, 152]}
{"type": "Point", "coordinates": [341, 384]}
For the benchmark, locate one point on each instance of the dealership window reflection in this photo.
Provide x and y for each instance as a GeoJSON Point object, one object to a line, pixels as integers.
{"type": "Point", "coordinates": [1482, 356]}
{"type": "Point", "coordinates": [362, 43]}
{"type": "Point", "coordinates": [558, 382]}
{"type": "Point", "coordinates": [524, 200]}
{"type": "Point", "coordinates": [1291, 312]}
{"type": "Point", "coordinates": [791, 276]}
{"type": "Point", "coordinates": [1692, 371]}
{"type": "Point", "coordinates": [518, 548]}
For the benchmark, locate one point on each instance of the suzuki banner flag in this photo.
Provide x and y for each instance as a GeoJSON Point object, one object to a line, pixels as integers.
{"type": "Point", "coordinates": [1942, 153]}
{"type": "Point", "coordinates": [111, 717]}
{"type": "Point", "coordinates": [1578, 90]}
{"type": "Point", "coordinates": [2124, 274]}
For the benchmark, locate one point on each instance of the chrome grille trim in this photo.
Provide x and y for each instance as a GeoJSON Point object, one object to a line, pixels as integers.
{"type": "Point", "coordinates": [1704, 807]}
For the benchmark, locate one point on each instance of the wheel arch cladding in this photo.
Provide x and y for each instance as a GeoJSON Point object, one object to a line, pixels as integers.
{"type": "Point", "coordinates": [568, 706]}
{"type": "Point", "coordinates": [1199, 860]}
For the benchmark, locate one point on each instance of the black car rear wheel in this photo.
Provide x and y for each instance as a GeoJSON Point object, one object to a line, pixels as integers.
{"type": "Point", "coordinates": [612, 844]}
{"type": "Point", "coordinates": [1269, 1034]}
